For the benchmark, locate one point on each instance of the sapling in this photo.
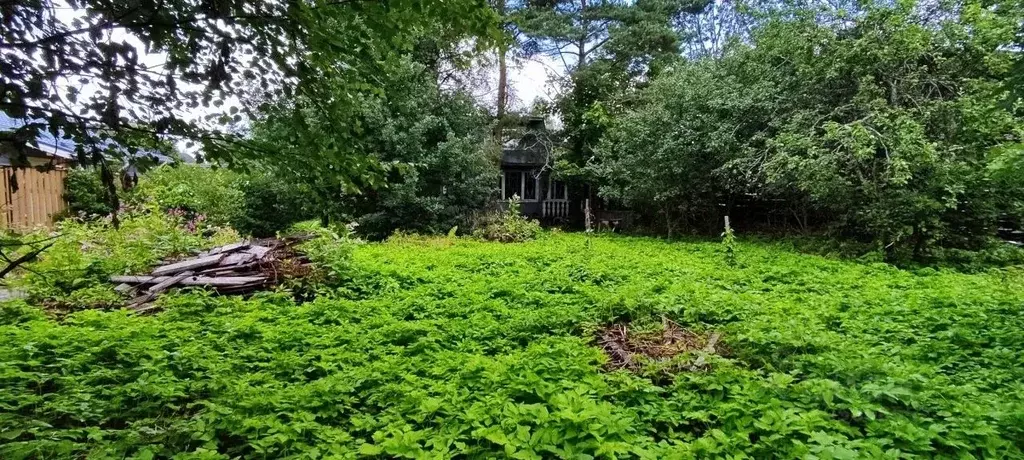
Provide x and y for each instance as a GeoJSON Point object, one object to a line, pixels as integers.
{"type": "Point", "coordinates": [729, 243]}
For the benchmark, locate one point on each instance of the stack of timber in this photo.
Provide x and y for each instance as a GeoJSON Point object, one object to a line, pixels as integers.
{"type": "Point", "coordinates": [238, 268]}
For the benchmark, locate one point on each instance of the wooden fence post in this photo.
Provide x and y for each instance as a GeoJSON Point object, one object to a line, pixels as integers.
{"type": "Point", "coordinates": [586, 215]}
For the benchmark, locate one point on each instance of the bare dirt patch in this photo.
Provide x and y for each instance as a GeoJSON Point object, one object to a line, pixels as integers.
{"type": "Point", "coordinates": [630, 348]}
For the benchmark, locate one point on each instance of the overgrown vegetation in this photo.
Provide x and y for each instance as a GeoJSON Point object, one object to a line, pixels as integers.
{"type": "Point", "coordinates": [269, 205]}
{"type": "Point", "coordinates": [508, 225]}
{"type": "Point", "coordinates": [73, 273]}
{"type": "Point", "coordinates": [211, 192]}
{"type": "Point", "coordinates": [488, 350]}
{"type": "Point", "coordinates": [436, 165]}
{"type": "Point", "coordinates": [85, 194]}
{"type": "Point", "coordinates": [887, 123]}
{"type": "Point", "coordinates": [896, 127]}
{"type": "Point", "coordinates": [253, 203]}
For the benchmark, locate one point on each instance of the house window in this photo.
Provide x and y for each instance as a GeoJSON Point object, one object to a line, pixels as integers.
{"type": "Point", "coordinates": [529, 187]}
{"type": "Point", "coordinates": [513, 185]}
{"type": "Point", "coordinates": [519, 183]}
{"type": "Point", "coordinates": [557, 190]}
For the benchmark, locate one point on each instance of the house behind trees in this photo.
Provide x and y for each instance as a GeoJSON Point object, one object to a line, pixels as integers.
{"type": "Point", "coordinates": [526, 167]}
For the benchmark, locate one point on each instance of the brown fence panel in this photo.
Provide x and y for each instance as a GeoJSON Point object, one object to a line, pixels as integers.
{"type": "Point", "coordinates": [39, 197]}
{"type": "Point", "coordinates": [5, 201]}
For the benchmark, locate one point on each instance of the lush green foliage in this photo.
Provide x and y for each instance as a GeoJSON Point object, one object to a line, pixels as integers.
{"type": "Point", "coordinates": [507, 226]}
{"type": "Point", "coordinates": [455, 347]}
{"type": "Point", "coordinates": [85, 193]}
{"type": "Point", "coordinates": [269, 205]}
{"type": "Point", "coordinates": [441, 141]}
{"type": "Point", "coordinates": [1006, 169]}
{"type": "Point", "coordinates": [885, 126]}
{"type": "Point", "coordinates": [212, 192]}
{"type": "Point", "coordinates": [253, 203]}
{"type": "Point", "coordinates": [433, 142]}
{"type": "Point", "coordinates": [209, 53]}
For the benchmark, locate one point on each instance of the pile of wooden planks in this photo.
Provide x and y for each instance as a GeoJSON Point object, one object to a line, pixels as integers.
{"type": "Point", "coordinates": [237, 268]}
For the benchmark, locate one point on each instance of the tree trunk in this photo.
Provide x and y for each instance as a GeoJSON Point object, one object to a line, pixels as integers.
{"type": "Point", "coordinates": [502, 81]}
{"type": "Point", "coordinates": [502, 102]}
{"type": "Point", "coordinates": [586, 33]}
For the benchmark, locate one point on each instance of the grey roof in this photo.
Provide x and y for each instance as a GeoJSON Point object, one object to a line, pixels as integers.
{"type": "Point", "coordinates": [530, 149]}
{"type": "Point", "coordinates": [523, 157]}
{"type": "Point", "coordinates": [62, 147]}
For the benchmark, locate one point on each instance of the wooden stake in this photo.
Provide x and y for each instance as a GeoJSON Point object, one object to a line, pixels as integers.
{"type": "Point", "coordinates": [586, 210]}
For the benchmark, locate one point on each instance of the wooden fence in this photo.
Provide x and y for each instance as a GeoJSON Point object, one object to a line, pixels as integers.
{"type": "Point", "coordinates": [38, 198]}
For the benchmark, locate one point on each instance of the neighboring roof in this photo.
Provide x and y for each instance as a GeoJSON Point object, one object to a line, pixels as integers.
{"type": "Point", "coordinates": [62, 147]}
{"type": "Point", "coordinates": [45, 141]}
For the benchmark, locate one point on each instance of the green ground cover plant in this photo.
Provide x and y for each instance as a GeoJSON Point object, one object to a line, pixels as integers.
{"type": "Point", "coordinates": [462, 348]}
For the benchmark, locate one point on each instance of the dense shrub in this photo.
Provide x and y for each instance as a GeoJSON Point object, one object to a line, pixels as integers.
{"type": "Point", "coordinates": [483, 350]}
{"type": "Point", "coordinates": [329, 250]}
{"type": "Point", "coordinates": [851, 119]}
{"type": "Point", "coordinates": [269, 205]}
{"type": "Point", "coordinates": [85, 193]}
{"type": "Point", "coordinates": [508, 226]}
{"type": "Point", "coordinates": [428, 149]}
{"type": "Point", "coordinates": [193, 189]}
{"type": "Point", "coordinates": [442, 138]}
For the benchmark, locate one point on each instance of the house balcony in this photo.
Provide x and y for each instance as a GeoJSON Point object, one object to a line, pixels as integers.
{"type": "Point", "coordinates": [555, 208]}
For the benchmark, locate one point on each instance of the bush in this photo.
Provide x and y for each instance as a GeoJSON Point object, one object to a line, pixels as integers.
{"type": "Point", "coordinates": [428, 166]}
{"type": "Point", "coordinates": [268, 205]}
{"type": "Point", "coordinates": [330, 250]}
{"type": "Point", "coordinates": [193, 190]}
{"type": "Point", "coordinates": [509, 226]}
{"type": "Point", "coordinates": [85, 194]}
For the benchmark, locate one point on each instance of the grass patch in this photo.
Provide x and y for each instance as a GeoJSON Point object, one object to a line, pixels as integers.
{"type": "Point", "coordinates": [486, 350]}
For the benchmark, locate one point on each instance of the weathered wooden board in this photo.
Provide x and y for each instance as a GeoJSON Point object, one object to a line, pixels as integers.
{"type": "Point", "coordinates": [170, 281]}
{"type": "Point", "coordinates": [229, 248]}
{"type": "Point", "coordinates": [258, 251]}
{"type": "Point", "coordinates": [188, 265]}
{"type": "Point", "coordinates": [134, 303]}
{"type": "Point", "coordinates": [236, 259]}
{"type": "Point", "coordinates": [123, 287]}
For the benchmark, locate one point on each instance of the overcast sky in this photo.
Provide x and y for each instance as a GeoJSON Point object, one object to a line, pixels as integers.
{"type": "Point", "coordinates": [533, 80]}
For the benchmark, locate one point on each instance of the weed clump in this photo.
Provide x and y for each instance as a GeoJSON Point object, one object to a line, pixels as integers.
{"type": "Point", "coordinates": [631, 348]}
{"type": "Point", "coordinates": [509, 226]}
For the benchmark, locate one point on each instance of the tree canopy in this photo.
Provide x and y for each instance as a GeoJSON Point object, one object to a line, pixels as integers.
{"type": "Point", "coordinates": [883, 124]}
{"type": "Point", "coordinates": [96, 70]}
